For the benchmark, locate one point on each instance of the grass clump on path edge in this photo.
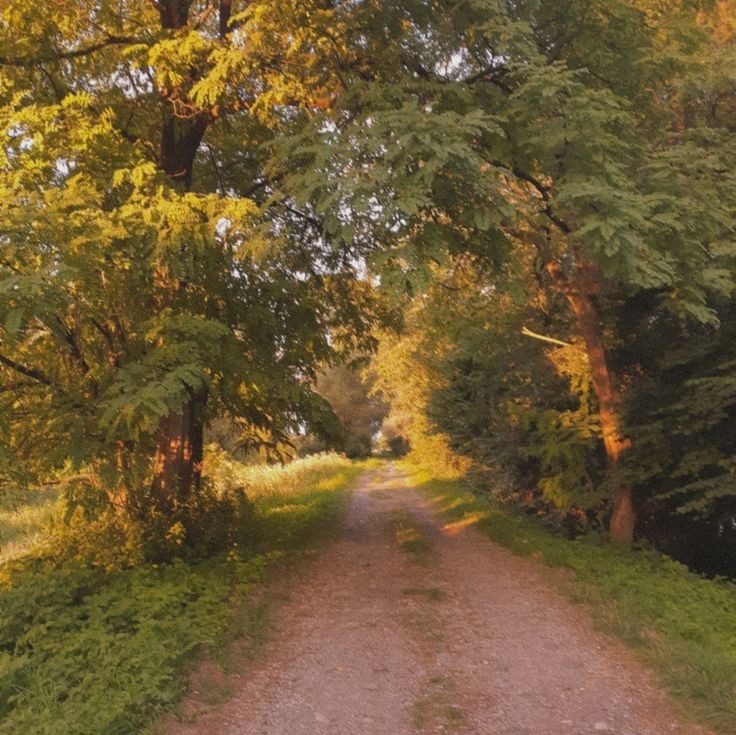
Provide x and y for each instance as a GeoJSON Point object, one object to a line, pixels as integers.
{"type": "Point", "coordinates": [680, 624]}
{"type": "Point", "coordinates": [86, 652]}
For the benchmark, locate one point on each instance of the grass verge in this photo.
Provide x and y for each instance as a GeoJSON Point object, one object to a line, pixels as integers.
{"type": "Point", "coordinates": [680, 624]}
{"type": "Point", "coordinates": [88, 652]}
{"type": "Point", "coordinates": [22, 522]}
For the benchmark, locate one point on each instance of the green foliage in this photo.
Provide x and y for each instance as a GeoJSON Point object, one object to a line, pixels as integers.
{"type": "Point", "coordinates": [204, 524]}
{"type": "Point", "coordinates": [681, 415]}
{"type": "Point", "coordinates": [149, 254]}
{"type": "Point", "coordinates": [217, 517]}
{"type": "Point", "coordinates": [91, 653]}
{"type": "Point", "coordinates": [405, 382]}
{"type": "Point", "coordinates": [507, 407]}
{"type": "Point", "coordinates": [359, 414]}
{"type": "Point", "coordinates": [519, 411]}
{"type": "Point", "coordinates": [84, 651]}
{"type": "Point", "coordinates": [577, 156]}
{"type": "Point", "coordinates": [679, 623]}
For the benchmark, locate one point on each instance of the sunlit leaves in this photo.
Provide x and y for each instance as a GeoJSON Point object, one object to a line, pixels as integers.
{"type": "Point", "coordinates": [124, 291]}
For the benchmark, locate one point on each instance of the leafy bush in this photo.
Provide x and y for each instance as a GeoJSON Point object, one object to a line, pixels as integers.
{"type": "Point", "coordinates": [205, 524]}
{"type": "Point", "coordinates": [217, 517]}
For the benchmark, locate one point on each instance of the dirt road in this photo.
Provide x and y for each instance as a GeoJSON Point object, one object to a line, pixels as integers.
{"type": "Point", "coordinates": [407, 624]}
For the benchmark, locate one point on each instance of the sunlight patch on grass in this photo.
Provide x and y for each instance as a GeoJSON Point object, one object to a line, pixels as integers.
{"type": "Point", "coordinates": [328, 484]}
{"type": "Point", "coordinates": [289, 508]}
{"type": "Point", "coordinates": [409, 534]}
{"type": "Point", "coordinates": [22, 526]}
{"type": "Point", "coordinates": [470, 519]}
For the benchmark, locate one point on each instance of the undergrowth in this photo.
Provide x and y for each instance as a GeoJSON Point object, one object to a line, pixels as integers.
{"type": "Point", "coordinates": [89, 651]}
{"type": "Point", "coordinates": [681, 624]}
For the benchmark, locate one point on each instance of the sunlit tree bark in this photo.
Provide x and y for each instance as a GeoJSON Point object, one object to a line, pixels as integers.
{"type": "Point", "coordinates": [581, 290]}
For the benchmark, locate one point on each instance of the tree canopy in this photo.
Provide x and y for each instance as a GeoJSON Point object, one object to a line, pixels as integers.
{"type": "Point", "coordinates": [153, 272]}
{"type": "Point", "coordinates": [200, 199]}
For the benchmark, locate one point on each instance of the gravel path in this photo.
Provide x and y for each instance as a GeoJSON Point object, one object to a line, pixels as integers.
{"type": "Point", "coordinates": [409, 625]}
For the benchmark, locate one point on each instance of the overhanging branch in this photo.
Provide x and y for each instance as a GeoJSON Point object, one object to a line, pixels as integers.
{"type": "Point", "coordinates": [552, 340]}
{"type": "Point", "coordinates": [21, 61]}
{"type": "Point", "coordinates": [29, 372]}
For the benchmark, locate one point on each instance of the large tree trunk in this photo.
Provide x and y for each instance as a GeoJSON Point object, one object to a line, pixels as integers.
{"type": "Point", "coordinates": [179, 450]}
{"type": "Point", "coordinates": [581, 289]}
{"type": "Point", "coordinates": [178, 458]}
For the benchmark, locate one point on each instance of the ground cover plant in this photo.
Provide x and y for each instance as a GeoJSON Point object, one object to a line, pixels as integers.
{"type": "Point", "coordinates": [681, 624]}
{"type": "Point", "coordinates": [85, 650]}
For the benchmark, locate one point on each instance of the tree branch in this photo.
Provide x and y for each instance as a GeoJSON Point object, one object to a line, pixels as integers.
{"type": "Point", "coordinates": [544, 191]}
{"type": "Point", "coordinates": [552, 340]}
{"type": "Point", "coordinates": [20, 61]}
{"type": "Point", "coordinates": [29, 372]}
{"type": "Point", "coordinates": [225, 11]}
{"type": "Point", "coordinates": [487, 76]}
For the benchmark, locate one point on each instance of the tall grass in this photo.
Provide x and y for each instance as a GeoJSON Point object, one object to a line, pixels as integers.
{"type": "Point", "coordinates": [270, 482]}
{"type": "Point", "coordinates": [23, 520]}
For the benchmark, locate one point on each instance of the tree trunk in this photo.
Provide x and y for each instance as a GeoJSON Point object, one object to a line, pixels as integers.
{"type": "Point", "coordinates": [580, 291]}
{"type": "Point", "coordinates": [177, 466]}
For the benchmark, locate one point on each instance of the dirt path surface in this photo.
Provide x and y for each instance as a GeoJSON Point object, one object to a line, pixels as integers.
{"type": "Point", "coordinates": [407, 625]}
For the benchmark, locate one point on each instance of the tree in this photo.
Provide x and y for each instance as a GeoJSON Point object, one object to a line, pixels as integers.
{"type": "Point", "coordinates": [572, 127]}
{"type": "Point", "coordinates": [359, 414]}
{"type": "Point", "coordinates": [230, 168]}
{"type": "Point", "coordinates": [152, 272]}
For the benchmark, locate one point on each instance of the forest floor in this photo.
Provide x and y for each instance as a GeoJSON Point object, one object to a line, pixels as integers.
{"type": "Point", "coordinates": [408, 623]}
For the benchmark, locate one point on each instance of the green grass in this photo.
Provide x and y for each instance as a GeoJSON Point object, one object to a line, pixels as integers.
{"type": "Point", "coordinates": [681, 625]}
{"type": "Point", "coordinates": [88, 652]}
{"type": "Point", "coordinates": [22, 523]}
